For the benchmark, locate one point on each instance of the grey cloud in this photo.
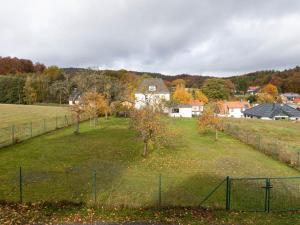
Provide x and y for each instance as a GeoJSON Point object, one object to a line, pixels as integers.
{"type": "Point", "coordinates": [171, 36]}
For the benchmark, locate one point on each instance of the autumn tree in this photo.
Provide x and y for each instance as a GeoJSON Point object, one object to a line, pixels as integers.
{"type": "Point", "coordinates": [29, 92]}
{"type": "Point", "coordinates": [209, 120]}
{"type": "Point", "coordinates": [199, 95]}
{"type": "Point", "coordinates": [268, 94]}
{"type": "Point", "coordinates": [96, 104]}
{"type": "Point", "coordinates": [216, 89]}
{"type": "Point", "coordinates": [150, 127]}
{"type": "Point", "coordinates": [178, 82]}
{"type": "Point", "coordinates": [270, 89]}
{"type": "Point", "coordinates": [181, 96]}
{"type": "Point", "coordinates": [52, 72]}
{"type": "Point", "coordinates": [77, 110]}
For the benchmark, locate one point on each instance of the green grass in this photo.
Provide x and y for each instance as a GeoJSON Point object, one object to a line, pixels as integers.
{"type": "Point", "coordinates": [286, 132]}
{"type": "Point", "coordinates": [17, 114]}
{"type": "Point", "coordinates": [60, 165]}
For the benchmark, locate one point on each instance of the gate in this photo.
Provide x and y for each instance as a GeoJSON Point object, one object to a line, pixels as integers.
{"type": "Point", "coordinates": [261, 194]}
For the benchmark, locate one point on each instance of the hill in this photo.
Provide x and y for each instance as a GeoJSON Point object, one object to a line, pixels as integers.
{"type": "Point", "coordinates": [286, 80]}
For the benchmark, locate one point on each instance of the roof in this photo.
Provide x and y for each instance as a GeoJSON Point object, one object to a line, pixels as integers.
{"type": "Point", "coordinates": [253, 88]}
{"type": "Point", "coordinates": [237, 105]}
{"type": "Point", "coordinates": [160, 87]}
{"type": "Point", "coordinates": [75, 95]}
{"type": "Point", "coordinates": [224, 107]}
{"type": "Point", "coordinates": [270, 110]}
{"type": "Point", "coordinates": [196, 103]}
{"type": "Point", "coordinates": [291, 95]}
{"type": "Point", "coordinates": [182, 106]}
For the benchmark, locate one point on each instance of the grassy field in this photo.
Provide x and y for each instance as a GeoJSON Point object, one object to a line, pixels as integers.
{"type": "Point", "coordinates": [281, 131]}
{"type": "Point", "coordinates": [16, 114]}
{"type": "Point", "coordinates": [61, 165]}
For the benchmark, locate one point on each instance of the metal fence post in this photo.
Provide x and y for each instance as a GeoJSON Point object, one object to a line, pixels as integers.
{"type": "Point", "coordinates": [21, 185]}
{"type": "Point", "coordinates": [95, 186]}
{"type": "Point", "coordinates": [228, 190]}
{"type": "Point", "coordinates": [159, 191]}
{"type": "Point", "coordinates": [269, 189]}
{"type": "Point", "coordinates": [30, 125]}
{"type": "Point", "coordinates": [45, 129]}
{"type": "Point", "coordinates": [13, 134]}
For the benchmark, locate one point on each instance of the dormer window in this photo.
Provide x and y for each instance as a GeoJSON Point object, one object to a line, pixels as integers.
{"type": "Point", "coordinates": [152, 88]}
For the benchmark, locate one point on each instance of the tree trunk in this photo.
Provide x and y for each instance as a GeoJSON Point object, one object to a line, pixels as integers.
{"type": "Point", "coordinates": [106, 115]}
{"type": "Point", "coordinates": [145, 152]}
{"type": "Point", "coordinates": [216, 137]}
{"type": "Point", "coordinates": [95, 122]}
{"type": "Point", "coordinates": [77, 124]}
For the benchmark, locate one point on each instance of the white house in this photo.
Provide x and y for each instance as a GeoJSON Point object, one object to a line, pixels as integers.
{"type": "Point", "coordinates": [197, 107]}
{"type": "Point", "coordinates": [233, 109]}
{"type": "Point", "coordinates": [181, 111]}
{"type": "Point", "coordinates": [151, 91]}
{"type": "Point", "coordinates": [75, 97]}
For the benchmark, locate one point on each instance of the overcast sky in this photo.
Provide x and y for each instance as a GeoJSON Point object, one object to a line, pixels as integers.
{"type": "Point", "coordinates": [169, 36]}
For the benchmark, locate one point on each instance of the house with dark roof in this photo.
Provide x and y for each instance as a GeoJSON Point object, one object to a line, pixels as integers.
{"type": "Point", "coordinates": [75, 97]}
{"type": "Point", "coordinates": [151, 91]}
{"type": "Point", "coordinates": [273, 111]}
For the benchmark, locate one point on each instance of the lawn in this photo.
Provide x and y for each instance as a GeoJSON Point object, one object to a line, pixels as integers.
{"type": "Point", "coordinates": [20, 122]}
{"type": "Point", "coordinates": [283, 131]}
{"type": "Point", "coordinates": [104, 165]}
{"type": "Point", "coordinates": [16, 114]}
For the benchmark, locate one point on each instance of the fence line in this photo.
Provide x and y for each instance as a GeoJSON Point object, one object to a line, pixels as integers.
{"type": "Point", "coordinates": [272, 147]}
{"type": "Point", "coordinates": [135, 191]}
{"type": "Point", "coordinates": [23, 131]}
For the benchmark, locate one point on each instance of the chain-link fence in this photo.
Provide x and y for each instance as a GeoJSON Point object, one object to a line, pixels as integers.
{"type": "Point", "coordinates": [20, 132]}
{"type": "Point", "coordinates": [270, 146]}
{"type": "Point", "coordinates": [158, 190]}
{"type": "Point", "coordinates": [101, 189]}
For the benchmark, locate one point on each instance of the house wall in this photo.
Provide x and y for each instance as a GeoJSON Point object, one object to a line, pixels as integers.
{"type": "Point", "coordinates": [141, 99]}
{"type": "Point", "coordinates": [183, 112]}
{"type": "Point", "coordinates": [235, 112]}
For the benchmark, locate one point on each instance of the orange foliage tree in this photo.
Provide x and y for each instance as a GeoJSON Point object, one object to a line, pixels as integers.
{"type": "Point", "coordinates": [270, 89]}
{"type": "Point", "coordinates": [181, 95]}
{"type": "Point", "coordinates": [199, 95]}
{"type": "Point", "coordinates": [209, 120]}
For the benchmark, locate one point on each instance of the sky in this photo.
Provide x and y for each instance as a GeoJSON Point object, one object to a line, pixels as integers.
{"type": "Point", "coordinates": [207, 37]}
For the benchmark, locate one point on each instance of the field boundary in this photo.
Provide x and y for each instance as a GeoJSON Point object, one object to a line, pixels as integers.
{"type": "Point", "coordinates": [17, 133]}
{"type": "Point", "coordinates": [271, 147]}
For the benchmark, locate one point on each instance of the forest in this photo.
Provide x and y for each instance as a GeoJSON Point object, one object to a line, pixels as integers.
{"type": "Point", "coordinates": [25, 82]}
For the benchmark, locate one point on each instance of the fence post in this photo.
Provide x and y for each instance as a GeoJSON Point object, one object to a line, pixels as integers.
{"type": "Point", "coordinates": [66, 121]}
{"type": "Point", "coordinates": [95, 186]}
{"type": "Point", "coordinates": [30, 124]}
{"type": "Point", "coordinates": [268, 194]}
{"type": "Point", "coordinates": [21, 185]}
{"type": "Point", "coordinates": [45, 129]}
{"type": "Point", "coordinates": [13, 134]}
{"type": "Point", "coordinates": [228, 190]}
{"type": "Point", "coordinates": [159, 191]}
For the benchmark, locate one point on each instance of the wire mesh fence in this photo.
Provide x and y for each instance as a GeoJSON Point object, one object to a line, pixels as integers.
{"type": "Point", "coordinates": [20, 132]}
{"type": "Point", "coordinates": [274, 148]}
{"type": "Point", "coordinates": [80, 185]}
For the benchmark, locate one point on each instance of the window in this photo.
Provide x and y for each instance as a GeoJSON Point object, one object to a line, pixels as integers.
{"type": "Point", "coordinates": [152, 88]}
{"type": "Point", "coordinates": [175, 110]}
